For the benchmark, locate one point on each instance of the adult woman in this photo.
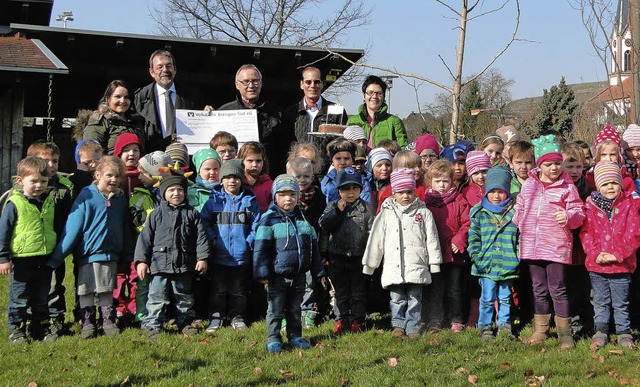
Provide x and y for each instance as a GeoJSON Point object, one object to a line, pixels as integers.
{"type": "Point", "coordinates": [373, 117]}
{"type": "Point", "coordinates": [114, 117]}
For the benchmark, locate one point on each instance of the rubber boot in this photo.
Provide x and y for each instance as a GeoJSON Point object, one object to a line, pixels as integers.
{"type": "Point", "coordinates": [540, 328]}
{"type": "Point", "coordinates": [88, 322]}
{"type": "Point", "coordinates": [108, 323]}
{"type": "Point", "coordinates": [565, 335]}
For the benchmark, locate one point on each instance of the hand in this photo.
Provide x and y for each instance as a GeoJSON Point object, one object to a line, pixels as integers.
{"type": "Point", "coordinates": [342, 204]}
{"type": "Point", "coordinates": [263, 281]}
{"type": "Point", "coordinates": [561, 217]}
{"type": "Point", "coordinates": [142, 269]}
{"type": "Point", "coordinates": [454, 248]}
{"type": "Point", "coordinates": [202, 266]}
{"type": "Point", "coordinates": [208, 108]}
{"type": "Point", "coordinates": [610, 258]}
{"type": "Point", "coordinates": [323, 282]}
{"type": "Point", "coordinates": [5, 268]}
{"type": "Point", "coordinates": [600, 259]}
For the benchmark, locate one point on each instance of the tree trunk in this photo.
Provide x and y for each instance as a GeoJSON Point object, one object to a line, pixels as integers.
{"type": "Point", "coordinates": [457, 82]}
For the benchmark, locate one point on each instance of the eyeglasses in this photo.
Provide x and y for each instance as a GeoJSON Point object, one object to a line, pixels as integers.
{"type": "Point", "coordinates": [308, 82]}
{"type": "Point", "coordinates": [226, 151]}
{"type": "Point", "coordinates": [248, 82]}
{"type": "Point", "coordinates": [371, 93]}
{"type": "Point", "coordinates": [429, 157]}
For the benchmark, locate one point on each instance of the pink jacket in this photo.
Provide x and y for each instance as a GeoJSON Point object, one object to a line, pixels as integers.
{"type": "Point", "coordinates": [620, 236]}
{"type": "Point", "coordinates": [262, 190]}
{"type": "Point", "coordinates": [473, 193]}
{"type": "Point", "coordinates": [541, 237]}
{"type": "Point", "coordinates": [452, 221]}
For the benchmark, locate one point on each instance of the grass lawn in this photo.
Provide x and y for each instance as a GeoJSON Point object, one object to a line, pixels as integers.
{"type": "Point", "coordinates": [372, 358]}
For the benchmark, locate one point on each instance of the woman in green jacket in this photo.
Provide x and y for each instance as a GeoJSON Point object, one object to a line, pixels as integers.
{"type": "Point", "coordinates": [374, 118]}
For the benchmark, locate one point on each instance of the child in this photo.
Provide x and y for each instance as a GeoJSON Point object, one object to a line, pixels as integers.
{"type": "Point", "coordinates": [256, 172]}
{"type": "Point", "coordinates": [171, 246]}
{"type": "Point", "coordinates": [27, 237]}
{"type": "Point", "coordinates": [230, 217]}
{"type": "Point", "coordinates": [428, 149]}
{"type": "Point", "coordinates": [607, 146]}
{"type": "Point", "coordinates": [357, 135]}
{"type": "Point", "coordinates": [99, 226]}
{"type": "Point", "coordinates": [129, 149]}
{"type": "Point", "coordinates": [493, 147]}
{"type": "Point", "coordinates": [405, 159]}
{"type": "Point", "coordinates": [405, 234]}
{"type": "Point", "coordinates": [493, 241]}
{"type": "Point", "coordinates": [521, 161]}
{"type": "Point", "coordinates": [509, 135]}
{"type": "Point", "coordinates": [547, 208]}
{"type": "Point", "coordinates": [611, 237]}
{"type": "Point", "coordinates": [360, 160]}
{"type": "Point", "coordinates": [348, 220]}
{"type": "Point", "coordinates": [378, 172]}
{"type": "Point", "coordinates": [456, 154]}
{"type": "Point", "coordinates": [631, 147]}
{"type": "Point", "coordinates": [87, 155]}
{"type": "Point", "coordinates": [310, 152]}
{"type": "Point", "coordinates": [478, 163]}
{"type": "Point", "coordinates": [341, 152]}
{"type": "Point", "coordinates": [207, 163]}
{"type": "Point", "coordinates": [225, 145]}
{"type": "Point", "coordinates": [588, 156]}
{"type": "Point", "coordinates": [285, 248]}
{"type": "Point", "coordinates": [451, 213]}
{"type": "Point", "coordinates": [179, 154]}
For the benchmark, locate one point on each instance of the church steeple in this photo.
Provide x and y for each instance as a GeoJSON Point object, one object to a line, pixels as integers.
{"type": "Point", "coordinates": [621, 44]}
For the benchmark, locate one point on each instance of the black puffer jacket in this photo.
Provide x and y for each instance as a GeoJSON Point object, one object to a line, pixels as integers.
{"type": "Point", "coordinates": [349, 229]}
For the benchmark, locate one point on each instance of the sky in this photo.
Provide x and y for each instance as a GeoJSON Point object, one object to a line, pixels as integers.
{"type": "Point", "coordinates": [410, 35]}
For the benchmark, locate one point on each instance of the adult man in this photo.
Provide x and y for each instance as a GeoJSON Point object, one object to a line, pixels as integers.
{"type": "Point", "coordinates": [304, 117]}
{"type": "Point", "coordinates": [152, 102]}
{"type": "Point", "coordinates": [249, 85]}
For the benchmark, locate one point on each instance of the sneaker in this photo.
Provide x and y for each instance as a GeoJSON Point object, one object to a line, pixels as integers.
{"type": "Point", "coordinates": [486, 333]}
{"type": "Point", "coordinates": [17, 335]}
{"type": "Point", "coordinates": [599, 340]}
{"type": "Point", "coordinates": [189, 330]}
{"type": "Point", "coordinates": [434, 327]}
{"type": "Point", "coordinates": [626, 341]}
{"type": "Point", "coordinates": [299, 342]}
{"type": "Point", "coordinates": [239, 325]}
{"type": "Point", "coordinates": [51, 333]}
{"type": "Point", "coordinates": [356, 326]}
{"type": "Point", "coordinates": [457, 327]}
{"type": "Point", "coordinates": [340, 327]}
{"type": "Point", "coordinates": [309, 319]}
{"type": "Point", "coordinates": [214, 325]}
{"type": "Point", "coordinates": [397, 332]}
{"type": "Point", "coordinates": [275, 347]}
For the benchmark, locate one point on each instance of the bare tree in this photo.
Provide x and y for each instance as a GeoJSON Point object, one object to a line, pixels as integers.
{"type": "Point", "coordinates": [495, 88]}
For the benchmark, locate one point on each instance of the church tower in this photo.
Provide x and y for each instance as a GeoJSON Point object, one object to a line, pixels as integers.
{"type": "Point", "coordinates": [621, 45]}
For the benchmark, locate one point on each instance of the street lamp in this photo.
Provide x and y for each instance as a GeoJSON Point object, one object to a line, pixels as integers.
{"type": "Point", "coordinates": [388, 80]}
{"type": "Point", "coordinates": [475, 112]}
{"type": "Point", "coordinates": [66, 16]}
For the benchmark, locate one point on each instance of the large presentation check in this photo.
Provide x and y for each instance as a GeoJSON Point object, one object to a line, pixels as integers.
{"type": "Point", "coordinates": [196, 127]}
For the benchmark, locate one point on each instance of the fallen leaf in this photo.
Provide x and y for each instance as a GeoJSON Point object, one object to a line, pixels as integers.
{"type": "Point", "coordinates": [257, 371]}
{"type": "Point", "coordinates": [344, 381]}
{"type": "Point", "coordinates": [286, 373]}
{"type": "Point", "coordinates": [543, 350]}
{"type": "Point", "coordinates": [299, 354]}
{"type": "Point", "coordinates": [157, 364]}
{"type": "Point", "coordinates": [379, 331]}
{"type": "Point", "coordinates": [433, 341]}
{"type": "Point", "coordinates": [623, 381]}
{"type": "Point", "coordinates": [346, 356]}
{"type": "Point", "coordinates": [505, 366]}
{"type": "Point", "coordinates": [473, 379]}
{"type": "Point", "coordinates": [50, 354]}
{"type": "Point", "coordinates": [204, 340]}
{"type": "Point", "coordinates": [601, 359]}
{"type": "Point", "coordinates": [125, 381]}
{"type": "Point", "coordinates": [32, 384]}
{"type": "Point", "coordinates": [319, 344]}
{"type": "Point", "coordinates": [528, 373]}
{"type": "Point", "coordinates": [590, 375]}
{"type": "Point", "coordinates": [392, 362]}
{"type": "Point", "coordinates": [593, 354]}
{"type": "Point", "coordinates": [618, 352]}
{"type": "Point", "coordinates": [73, 357]}
{"type": "Point", "coordinates": [541, 379]}
{"type": "Point", "coordinates": [613, 374]}
{"type": "Point", "coordinates": [253, 344]}
{"type": "Point", "coordinates": [462, 371]}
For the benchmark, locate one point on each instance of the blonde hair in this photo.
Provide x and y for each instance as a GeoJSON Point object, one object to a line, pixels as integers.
{"type": "Point", "coordinates": [406, 159]}
{"type": "Point", "coordinates": [32, 165]}
{"type": "Point", "coordinates": [298, 147]}
{"type": "Point", "coordinates": [110, 162]}
{"type": "Point", "coordinates": [439, 168]}
{"type": "Point", "coordinates": [573, 152]}
{"type": "Point", "coordinates": [491, 140]}
{"type": "Point", "coordinates": [596, 157]}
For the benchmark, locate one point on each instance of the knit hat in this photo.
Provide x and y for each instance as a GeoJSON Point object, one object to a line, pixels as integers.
{"type": "Point", "coordinates": [348, 176]}
{"type": "Point", "coordinates": [376, 155]}
{"type": "Point", "coordinates": [546, 148]}
{"type": "Point", "coordinates": [123, 140]}
{"type": "Point", "coordinates": [403, 179]}
{"type": "Point", "coordinates": [153, 161]}
{"type": "Point", "coordinates": [172, 175]}
{"type": "Point", "coordinates": [608, 133]}
{"type": "Point", "coordinates": [178, 152]}
{"type": "Point", "coordinates": [203, 155]}
{"type": "Point", "coordinates": [354, 133]}
{"type": "Point", "coordinates": [80, 144]}
{"type": "Point", "coordinates": [284, 183]}
{"type": "Point", "coordinates": [453, 153]}
{"type": "Point", "coordinates": [498, 177]}
{"type": "Point", "coordinates": [605, 172]}
{"type": "Point", "coordinates": [361, 155]}
{"type": "Point", "coordinates": [508, 133]}
{"type": "Point", "coordinates": [233, 167]}
{"type": "Point", "coordinates": [631, 137]}
{"type": "Point", "coordinates": [427, 141]}
{"type": "Point", "coordinates": [477, 161]}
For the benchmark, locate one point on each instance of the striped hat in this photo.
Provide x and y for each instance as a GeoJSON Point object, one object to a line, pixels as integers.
{"type": "Point", "coordinates": [608, 133]}
{"type": "Point", "coordinates": [375, 156]}
{"type": "Point", "coordinates": [284, 183]}
{"type": "Point", "coordinates": [354, 133]}
{"type": "Point", "coordinates": [546, 148]}
{"type": "Point", "coordinates": [178, 152]}
{"type": "Point", "coordinates": [605, 172]}
{"type": "Point", "coordinates": [631, 137]}
{"type": "Point", "coordinates": [403, 179]}
{"type": "Point", "coordinates": [477, 161]}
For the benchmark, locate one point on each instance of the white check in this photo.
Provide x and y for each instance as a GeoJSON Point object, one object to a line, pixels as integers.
{"type": "Point", "coordinates": [195, 128]}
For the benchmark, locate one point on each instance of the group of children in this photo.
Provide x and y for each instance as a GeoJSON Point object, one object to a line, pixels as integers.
{"type": "Point", "coordinates": [444, 235]}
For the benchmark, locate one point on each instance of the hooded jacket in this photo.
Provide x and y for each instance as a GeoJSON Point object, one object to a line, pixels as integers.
{"type": "Point", "coordinates": [105, 126]}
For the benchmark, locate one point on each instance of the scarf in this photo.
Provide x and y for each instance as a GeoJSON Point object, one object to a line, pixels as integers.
{"type": "Point", "coordinates": [632, 167]}
{"type": "Point", "coordinates": [435, 199]}
{"type": "Point", "coordinates": [305, 198]}
{"type": "Point", "coordinates": [499, 208]}
{"type": "Point", "coordinates": [605, 204]}
{"type": "Point", "coordinates": [205, 183]}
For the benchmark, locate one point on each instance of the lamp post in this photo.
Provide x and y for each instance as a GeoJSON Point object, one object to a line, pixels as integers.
{"type": "Point", "coordinates": [388, 79]}
{"type": "Point", "coordinates": [65, 17]}
{"type": "Point", "coordinates": [475, 112]}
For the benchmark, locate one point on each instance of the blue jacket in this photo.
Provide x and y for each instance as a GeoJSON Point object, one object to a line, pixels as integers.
{"type": "Point", "coordinates": [328, 186]}
{"type": "Point", "coordinates": [286, 245]}
{"type": "Point", "coordinates": [230, 222]}
{"type": "Point", "coordinates": [94, 231]}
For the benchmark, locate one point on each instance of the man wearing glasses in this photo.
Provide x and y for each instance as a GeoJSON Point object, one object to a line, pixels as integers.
{"type": "Point", "coordinates": [304, 117]}
{"type": "Point", "coordinates": [249, 85]}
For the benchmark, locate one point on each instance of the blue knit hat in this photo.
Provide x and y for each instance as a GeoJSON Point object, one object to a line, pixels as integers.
{"type": "Point", "coordinates": [284, 183]}
{"type": "Point", "coordinates": [498, 177]}
{"type": "Point", "coordinates": [348, 176]}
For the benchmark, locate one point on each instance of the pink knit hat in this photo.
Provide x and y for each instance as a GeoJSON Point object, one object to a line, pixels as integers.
{"type": "Point", "coordinates": [403, 179]}
{"type": "Point", "coordinates": [631, 137]}
{"type": "Point", "coordinates": [477, 161]}
{"type": "Point", "coordinates": [605, 172]}
{"type": "Point", "coordinates": [608, 133]}
{"type": "Point", "coordinates": [427, 141]}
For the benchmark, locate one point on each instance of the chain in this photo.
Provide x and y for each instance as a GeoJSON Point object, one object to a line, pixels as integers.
{"type": "Point", "coordinates": [49, 118]}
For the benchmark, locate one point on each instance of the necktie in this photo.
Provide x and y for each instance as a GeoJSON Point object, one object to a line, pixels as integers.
{"type": "Point", "coordinates": [170, 114]}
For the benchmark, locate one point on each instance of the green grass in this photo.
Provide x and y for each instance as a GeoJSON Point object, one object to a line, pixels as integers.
{"type": "Point", "coordinates": [367, 359]}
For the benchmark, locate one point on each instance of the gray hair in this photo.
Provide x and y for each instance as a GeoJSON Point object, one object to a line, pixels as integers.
{"type": "Point", "coordinates": [248, 67]}
{"type": "Point", "coordinates": [161, 53]}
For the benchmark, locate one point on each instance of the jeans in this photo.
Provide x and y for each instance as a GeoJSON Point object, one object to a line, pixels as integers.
{"type": "Point", "coordinates": [611, 291]}
{"type": "Point", "coordinates": [548, 279]}
{"type": "Point", "coordinates": [445, 293]}
{"type": "Point", "coordinates": [406, 307]}
{"type": "Point", "coordinates": [29, 285]}
{"type": "Point", "coordinates": [56, 300]}
{"type": "Point", "coordinates": [284, 296]}
{"type": "Point", "coordinates": [229, 292]}
{"type": "Point", "coordinates": [166, 290]}
{"type": "Point", "coordinates": [350, 286]}
{"type": "Point", "coordinates": [492, 291]}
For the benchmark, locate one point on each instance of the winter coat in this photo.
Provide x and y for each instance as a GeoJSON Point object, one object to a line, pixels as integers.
{"type": "Point", "coordinates": [172, 240]}
{"type": "Point", "coordinates": [230, 222]}
{"type": "Point", "coordinates": [619, 236]}
{"type": "Point", "coordinates": [473, 193]}
{"type": "Point", "coordinates": [386, 126]}
{"type": "Point", "coordinates": [408, 242]}
{"type": "Point", "coordinates": [105, 126]}
{"type": "Point", "coordinates": [286, 245]}
{"type": "Point", "coordinates": [328, 187]}
{"type": "Point", "coordinates": [541, 237]}
{"type": "Point", "coordinates": [386, 192]}
{"type": "Point", "coordinates": [262, 190]}
{"type": "Point", "coordinates": [349, 229]}
{"type": "Point", "coordinates": [452, 222]}
{"type": "Point", "coordinates": [197, 195]}
{"type": "Point", "coordinates": [493, 244]}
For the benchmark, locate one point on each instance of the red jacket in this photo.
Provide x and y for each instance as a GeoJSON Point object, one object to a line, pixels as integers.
{"type": "Point", "coordinates": [473, 193]}
{"type": "Point", "coordinates": [620, 236]}
{"type": "Point", "coordinates": [262, 190]}
{"type": "Point", "coordinates": [452, 221]}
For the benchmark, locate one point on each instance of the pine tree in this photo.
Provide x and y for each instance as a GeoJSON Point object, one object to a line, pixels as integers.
{"type": "Point", "coordinates": [556, 110]}
{"type": "Point", "coordinates": [472, 99]}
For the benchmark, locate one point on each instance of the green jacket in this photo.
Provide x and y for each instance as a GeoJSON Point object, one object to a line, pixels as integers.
{"type": "Point", "coordinates": [141, 203]}
{"type": "Point", "coordinates": [33, 234]}
{"type": "Point", "coordinates": [385, 126]}
{"type": "Point", "coordinates": [105, 126]}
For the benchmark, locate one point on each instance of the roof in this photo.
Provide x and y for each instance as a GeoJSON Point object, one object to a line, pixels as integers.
{"type": "Point", "coordinates": [615, 92]}
{"type": "Point", "coordinates": [28, 55]}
